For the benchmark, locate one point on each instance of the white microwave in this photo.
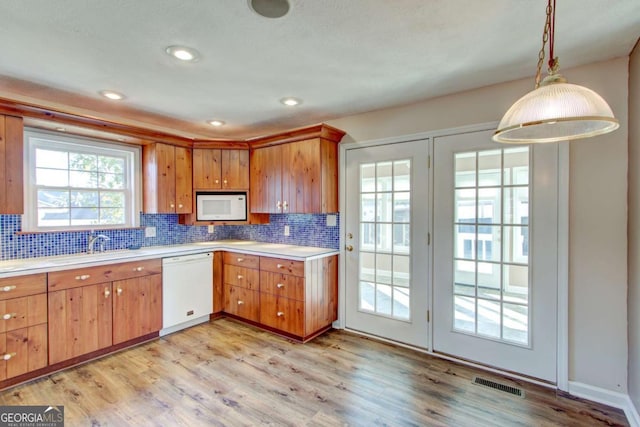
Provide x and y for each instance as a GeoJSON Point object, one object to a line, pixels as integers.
{"type": "Point", "coordinates": [221, 206]}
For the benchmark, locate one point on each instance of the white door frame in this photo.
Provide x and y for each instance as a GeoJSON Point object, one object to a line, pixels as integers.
{"type": "Point", "coordinates": [562, 363]}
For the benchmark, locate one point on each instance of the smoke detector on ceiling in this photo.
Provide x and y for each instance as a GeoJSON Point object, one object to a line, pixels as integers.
{"type": "Point", "coordinates": [270, 8]}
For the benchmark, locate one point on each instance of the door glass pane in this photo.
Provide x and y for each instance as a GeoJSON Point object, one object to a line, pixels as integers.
{"type": "Point", "coordinates": [385, 244]}
{"type": "Point", "coordinates": [491, 244]}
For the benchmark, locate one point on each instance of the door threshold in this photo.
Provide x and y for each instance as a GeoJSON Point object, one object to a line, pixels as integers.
{"type": "Point", "coordinates": [508, 374]}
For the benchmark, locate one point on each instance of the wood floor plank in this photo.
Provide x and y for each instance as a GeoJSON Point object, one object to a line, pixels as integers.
{"type": "Point", "coordinates": [225, 373]}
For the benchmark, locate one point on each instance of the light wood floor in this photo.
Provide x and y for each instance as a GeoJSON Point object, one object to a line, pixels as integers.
{"type": "Point", "coordinates": [226, 374]}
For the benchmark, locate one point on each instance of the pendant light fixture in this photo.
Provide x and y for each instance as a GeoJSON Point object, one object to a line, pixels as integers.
{"type": "Point", "coordinates": [555, 110]}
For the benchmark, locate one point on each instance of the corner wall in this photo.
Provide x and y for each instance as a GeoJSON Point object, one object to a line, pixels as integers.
{"type": "Point", "coordinates": [598, 207]}
{"type": "Point", "coordinates": [634, 227]}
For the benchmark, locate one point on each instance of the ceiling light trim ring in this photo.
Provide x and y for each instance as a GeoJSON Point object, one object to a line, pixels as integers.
{"type": "Point", "coordinates": [500, 134]}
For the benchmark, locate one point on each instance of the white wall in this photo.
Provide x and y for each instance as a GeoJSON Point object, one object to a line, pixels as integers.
{"type": "Point", "coordinates": [598, 207]}
{"type": "Point", "coordinates": [634, 227]}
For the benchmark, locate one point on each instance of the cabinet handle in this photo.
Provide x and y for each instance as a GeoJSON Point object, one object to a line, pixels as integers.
{"type": "Point", "coordinates": [83, 277]}
{"type": "Point", "coordinates": [8, 356]}
{"type": "Point", "coordinates": [279, 205]}
{"type": "Point", "coordinates": [172, 205]}
{"type": "Point", "coordinates": [280, 286]}
{"type": "Point", "coordinates": [240, 302]}
{"type": "Point", "coordinates": [8, 288]}
{"type": "Point", "coordinates": [280, 313]}
{"type": "Point", "coordinates": [239, 276]}
{"type": "Point", "coordinates": [9, 316]}
{"type": "Point", "coordinates": [180, 205]}
{"type": "Point", "coordinates": [119, 291]}
{"type": "Point", "coordinates": [217, 181]}
{"type": "Point", "coordinates": [285, 205]}
{"type": "Point", "coordinates": [240, 259]}
{"type": "Point", "coordinates": [224, 182]}
{"type": "Point", "coordinates": [107, 292]}
{"type": "Point", "coordinates": [281, 266]}
{"type": "Point", "coordinates": [138, 269]}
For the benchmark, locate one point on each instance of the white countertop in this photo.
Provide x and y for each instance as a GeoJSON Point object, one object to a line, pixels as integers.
{"type": "Point", "coordinates": [55, 263]}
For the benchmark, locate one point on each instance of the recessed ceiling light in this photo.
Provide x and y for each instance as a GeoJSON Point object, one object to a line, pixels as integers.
{"type": "Point", "coordinates": [270, 8]}
{"type": "Point", "coordinates": [291, 102]}
{"type": "Point", "coordinates": [216, 123]}
{"type": "Point", "coordinates": [183, 53]}
{"type": "Point", "coordinates": [111, 95]}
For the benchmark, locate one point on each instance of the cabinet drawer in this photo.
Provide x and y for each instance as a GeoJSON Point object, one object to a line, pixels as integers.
{"type": "Point", "coordinates": [242, 260]}
{"type": "Point", "coordinates": [21, 286]}
{"type": "Point", "coordinates": [19, 313]}
{"type": "Point", "coordinates": [23, 350]}
{"type": "Point", "coordinates": [242, 302]}
{"type": "Point", "coordinates": [240, 276]}
{"type": "Point", "coordinates": [279, 265]}
{"type": "Point", "coordinates": [284, 285]}
{"type": "Point", "coordinates": [281, 313]}
{"type": "Point", "coordinates": [103, 273]}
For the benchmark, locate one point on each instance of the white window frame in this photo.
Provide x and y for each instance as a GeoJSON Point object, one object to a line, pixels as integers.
{"type": "Point", "coordinates": [36, 138]}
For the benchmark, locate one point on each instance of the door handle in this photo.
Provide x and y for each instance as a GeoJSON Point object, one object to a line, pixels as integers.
{"type": "Point", "coordinates": [349, 248]}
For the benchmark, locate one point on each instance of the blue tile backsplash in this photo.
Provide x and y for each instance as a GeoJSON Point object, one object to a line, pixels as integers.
{"type": "Point", "coordinates": [306, 230]}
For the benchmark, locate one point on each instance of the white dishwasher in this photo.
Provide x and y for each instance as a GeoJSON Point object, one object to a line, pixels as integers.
{"type": "Point", "coordinates": [187, 291]}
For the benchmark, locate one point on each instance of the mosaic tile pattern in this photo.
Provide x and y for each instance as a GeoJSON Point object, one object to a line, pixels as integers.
{"type": "Point", "coordinates": [306, 230]}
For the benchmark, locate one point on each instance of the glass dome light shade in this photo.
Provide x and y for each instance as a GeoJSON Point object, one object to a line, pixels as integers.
{"type": "Point", "coordinates": [556, 111]}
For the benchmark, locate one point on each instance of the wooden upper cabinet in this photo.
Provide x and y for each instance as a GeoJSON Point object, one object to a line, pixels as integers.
{"type": "Point", "coordinates": [296, 175]}
{"type": "Point", "coordinates": [216, 169]}
{"type": "Point", "coordinates": [11, 165]}
{"type": "Point", "coordinates": [168, 178]}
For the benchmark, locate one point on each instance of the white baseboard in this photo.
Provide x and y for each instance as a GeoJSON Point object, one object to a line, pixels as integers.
{"type": "Point", "coordinates": [187, 324]}
{"type": "Point", "coordinates": [607, 397]}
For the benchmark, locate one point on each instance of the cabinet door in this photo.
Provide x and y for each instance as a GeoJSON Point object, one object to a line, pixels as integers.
{"type": "Point", "coordinates": [206, 169]}
{"type": "Point", "coordinates": [137, 307]}
{"type": "Point", "coordinates": [282, 313]}
{"type": "Point", "coordinates": [242, 302]}
{"type": "Point", "coordinates": [11, 165]}
{"type": "Point", "coordinates": [235, 169]}
{"type": "Point", "coordinates": [23, 350]}
{"type": "Point", "coordinates": [302, 181]}
{"type": "Point", "coordinates": [79, 321]}
{"type": "Point", "coordinates": [266, 179]}
{"type": "Point", "coordinates": [184, 180]}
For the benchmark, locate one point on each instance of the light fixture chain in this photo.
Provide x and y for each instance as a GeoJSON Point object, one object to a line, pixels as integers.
{"type": "Point", "coordinates": [545, 39]}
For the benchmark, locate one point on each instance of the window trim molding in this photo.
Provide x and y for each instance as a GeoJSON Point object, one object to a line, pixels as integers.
{"type": "Point", "coordinates": [134, 174]}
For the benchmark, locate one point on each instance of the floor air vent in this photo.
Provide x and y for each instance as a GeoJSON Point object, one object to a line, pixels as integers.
{"type": "Point", "coordinates": [497, 386]}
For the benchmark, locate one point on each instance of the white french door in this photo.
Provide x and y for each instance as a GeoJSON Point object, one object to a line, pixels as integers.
{"type": "Point", "coordinates": [387, 261]}
{"type": "Point", "coordinates": [495, 253]}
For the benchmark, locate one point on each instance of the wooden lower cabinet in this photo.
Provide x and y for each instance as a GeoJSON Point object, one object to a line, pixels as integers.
{"type": "Point", "coordinates": [23, 325]}
{"type": "Point", "coordinates": [85, 317]}
{"type": "Point", "coordinates": [242, 302]}
{"type": "Point", "coordinates": [80, 321]}
{"type": "Point", "coordinates": [137, 307]}
{"type": "Point", "coordinates": [297, 298]}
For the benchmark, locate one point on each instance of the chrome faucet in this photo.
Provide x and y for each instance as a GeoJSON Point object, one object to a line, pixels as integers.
{"type": "Point", "coordinates": [92, 242]}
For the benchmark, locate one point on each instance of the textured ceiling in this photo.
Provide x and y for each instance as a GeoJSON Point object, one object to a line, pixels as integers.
{"type": "Point", "coordinates": [340, 56]}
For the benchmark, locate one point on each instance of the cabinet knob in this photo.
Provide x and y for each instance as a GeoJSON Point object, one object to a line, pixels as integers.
{"type": "Point", "coordinates": [240, 259]}
{"type": "Point", "coordinates": [8, 356]}
{"type": "Point", "coordinates": [224, 182]}
{"type": "Point", "coordinates": [83, 277]}
{"type": "Point", "coordinates": [280, 285]}
{"type": "Point", "coordinates": [119, 291]}
{"type": "Point", "coordinates": [107, 292]}
{"type": "Point", "coordinates": [240, 302]}
{"type": "Point", "coordinates": [278, 205]}
{"type": "Point", "coordinates": [280, 266]}
{"type": "Point", "coordinates": [9, 316]}
{"type": "Point", "coordinates": [138, 269]}
{"type": "Point", "coordinates": [239, 276]}
{"type": "Point", "coordinates": [8, 288]}
{"type": "Point", "coordinates": [285, 205]}
{"type": "Point", "coordinates": [280, 313]}
{"type": "Point", "coordinates": [180, 205]}
{"type": "Point", "coordinates": [217, 181]}
{"type": "Point", "coordinates": [172, 205]}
